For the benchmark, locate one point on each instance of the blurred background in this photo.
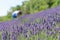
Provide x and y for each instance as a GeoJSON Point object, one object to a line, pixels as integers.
{"type": "Point", "coordinates": [26, 6]}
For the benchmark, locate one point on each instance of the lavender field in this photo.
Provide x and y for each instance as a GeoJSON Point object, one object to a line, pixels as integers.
{"type": "Point", "coordinates": [44, 25]}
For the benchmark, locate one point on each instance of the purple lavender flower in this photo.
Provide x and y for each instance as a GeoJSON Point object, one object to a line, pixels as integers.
{"type": "Point", "coordinates": [58, 37]}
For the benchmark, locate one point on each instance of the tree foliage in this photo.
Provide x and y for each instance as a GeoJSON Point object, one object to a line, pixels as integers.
{"type": "Point", "coordinates": [33, 6]}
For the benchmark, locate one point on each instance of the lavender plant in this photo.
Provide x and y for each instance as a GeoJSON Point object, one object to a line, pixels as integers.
{"type": "Point", "coordinates": [40, 26]}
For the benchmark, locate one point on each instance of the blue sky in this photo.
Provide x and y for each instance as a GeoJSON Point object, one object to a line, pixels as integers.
{"type": "Point", "coordinates": [5, 5]}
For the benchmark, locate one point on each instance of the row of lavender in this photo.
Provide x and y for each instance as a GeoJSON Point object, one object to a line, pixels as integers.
{"type": "Point", "coordinates": [45, 21]}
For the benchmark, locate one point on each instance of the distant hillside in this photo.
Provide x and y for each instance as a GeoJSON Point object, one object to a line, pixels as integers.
{"type": "Point", "coordinates": [44, 23]}
{"type": "Point", "coordinates": [42, 14]}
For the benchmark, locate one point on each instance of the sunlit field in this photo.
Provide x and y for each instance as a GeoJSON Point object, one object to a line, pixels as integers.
{"type": "Point", "coordinates": [44, 25]}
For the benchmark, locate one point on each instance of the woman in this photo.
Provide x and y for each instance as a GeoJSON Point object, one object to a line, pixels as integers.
{"type": "Point", "coordinates": [16, 14]}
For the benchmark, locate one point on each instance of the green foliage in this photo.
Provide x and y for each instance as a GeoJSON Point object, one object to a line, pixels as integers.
{"type": "Point", "coordinates": [31, 7]}
{"type": "Point", "coordinates": [6, 18]}
{"type": "Point", "coordinates": [18, 7]}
